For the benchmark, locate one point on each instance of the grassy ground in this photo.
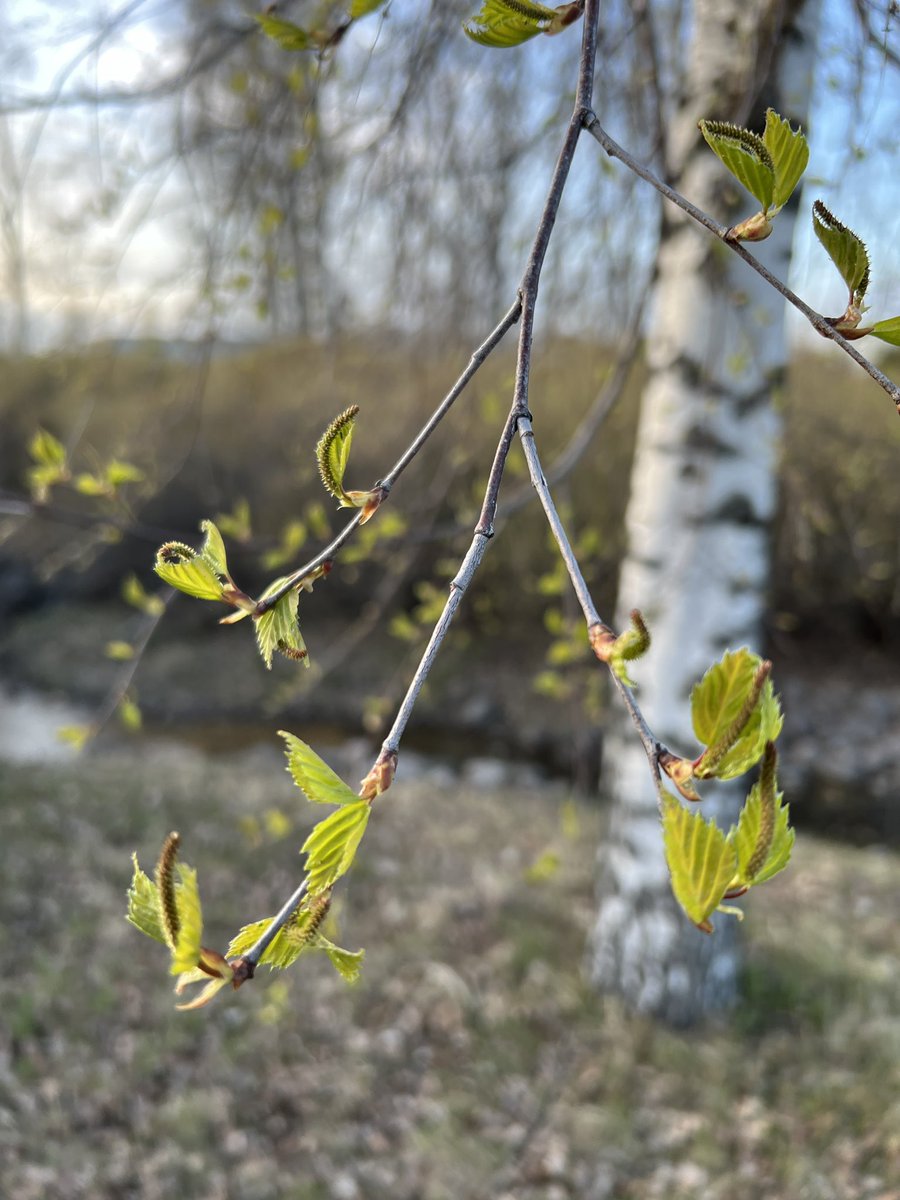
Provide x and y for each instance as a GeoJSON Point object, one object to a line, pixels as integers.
{"type": "Point", "coordinates": [469, 1062]}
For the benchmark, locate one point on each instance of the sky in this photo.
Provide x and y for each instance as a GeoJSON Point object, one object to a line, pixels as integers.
{"type": "Point", "coordinates": [99, 265]}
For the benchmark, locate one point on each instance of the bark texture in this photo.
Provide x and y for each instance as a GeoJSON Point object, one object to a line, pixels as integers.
{"type": "Point", "coordinates": [702, 495]}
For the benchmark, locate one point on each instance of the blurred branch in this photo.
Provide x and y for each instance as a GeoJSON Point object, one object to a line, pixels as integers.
{"type": "Point", "coordinates": [878, 39]}
{"type": "Point", "coordinates": [818, 322]}
{"type": "Point", "coordinates": [117, 692]}
{"type": "Point", "coordinates": [17, 505]}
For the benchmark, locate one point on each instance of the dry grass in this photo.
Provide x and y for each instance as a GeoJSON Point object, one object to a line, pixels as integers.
{"type": "Point", "coordinates": [470, 1061]}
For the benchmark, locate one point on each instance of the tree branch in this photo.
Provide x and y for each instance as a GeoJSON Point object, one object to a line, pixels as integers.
{"type": "Point", "coordinates": [475, 362]}
{"type": "Point", "coordinates": [818, 322]}
{"type": "Point", "coordinates": [651, 743]}
{"type": "Point", "coordinates": [484, 530]}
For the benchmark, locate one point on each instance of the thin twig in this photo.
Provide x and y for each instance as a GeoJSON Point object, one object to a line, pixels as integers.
{"type": "Point", "coordinates": [651, 743]}
{"type": "Point", "coordinates": [475, 362]}
{"type": "Point", "coordinates": [818, 322]}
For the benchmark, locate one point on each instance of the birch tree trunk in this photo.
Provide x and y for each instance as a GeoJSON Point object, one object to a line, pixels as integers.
{"type": "Point", "coordinates": [702, 496]}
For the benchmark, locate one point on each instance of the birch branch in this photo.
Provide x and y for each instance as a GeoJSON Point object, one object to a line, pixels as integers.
{"type": "Point", "coordinates": [818, 322]}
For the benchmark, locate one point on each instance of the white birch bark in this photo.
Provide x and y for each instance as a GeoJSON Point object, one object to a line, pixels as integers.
{"type": "Point", "coordinates": [702, 497]}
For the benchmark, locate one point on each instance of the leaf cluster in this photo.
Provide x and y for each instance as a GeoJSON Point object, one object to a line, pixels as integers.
{"type": "Point", "coordinates": [737, 716]}
{"type": "Point", "coordinates": [768, 166]}
{"type": "Point", "coordinates": [167, 908]}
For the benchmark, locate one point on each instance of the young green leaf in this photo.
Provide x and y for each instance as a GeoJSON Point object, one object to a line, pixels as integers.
{"type": "Point", "coordinates": [130, 715]}
{"type": "Point", "coordinates": [288, 944]}
{"type": "Point", "coordinates": [288, 35]}
{"type": "Point", "coordinates": [143, 904]}
{"type": "Point", "coordinates": [718, 704]}
{"type": "Point", "coordinates": [362, 8]}
{"type": "Point", "coordinates": [745, 155]}
{"type": "Point", "coordinates": [277, 628]}
{"type": "Point", "coordinates": [120, 651]}
{"type": "Point", "coordinates": [701, 861]}
{"type": "Point", "coordinates": [888, 331]}
{"type": "Point", "coordinates": [790, 154]}
{"type": "Point", "coordinates": [333, 451]}
{"type": "Point", "coordinates": [116, 473]}
{"type": "Point", "coordinates": [91, 485]}
{"type": "Point", "coordinates": [47, 450]}
{"type": "Point", "coordinates": [846, 251]}
{"type": "Point", "coordinates": [505, 23]}
{"type": "Point", "coordinates": [332, 845]}
{"type": "Point", "coordinates": [347, 963]}
{"type": "Point", "coordinates": [762, 838]}
{"type": "Point", "coordinates": [186, 951]}
{"type": "Point", "coordinates": [314, 777]}
{"type": "Point", "coordinates": [631, 644]}
{"type": "Point", "coordinates": [213, 549]}
{"type": "Point", "coordinates": [185, 569]}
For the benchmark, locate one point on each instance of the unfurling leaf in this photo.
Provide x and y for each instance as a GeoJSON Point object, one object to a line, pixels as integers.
{"type": "Point", "coordinates": [745, 155]}
{"type": "Point", "coordinates": [616, 651]}
{"type": "Point", "coordinates": [333, 451]}
{"type": "Point", "coordinates": [369, 502]}
{"type": "Point", "coordinates": [790, 154]}
{"type": "Point", "coordinates": [505, 23]}
{"type": "Point", "coordinates": [888, 331]}
{"type": "Point", "coordinates": [190, 572]}
{"type": "Point", "coordinates": [213, 549]}
{"type": "Point", "coordinates": [186, 951]}
{"type": "Point", "coordinates": [143, 904]}
{"type": "Point", "coordinates": [277, 628]}
{"type": "Point", "coordinates": [763, 839]}
{"type": "Point", "coordinates": [846, 251]}
{"type": "Point", "coordinates": [734, 711]}
{"type": "Point", "coordinates": [314, 777]}
{"type": "Point", "coordinates": [347, 963]}
{"type": "Point", "coordinates": [701, 860]}
{"type": "Point", "coordinates": [332, 845]}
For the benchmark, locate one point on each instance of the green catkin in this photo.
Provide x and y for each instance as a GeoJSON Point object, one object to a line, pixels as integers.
{"type": "Point", "coordinates": [323, 457]}
{"type": "Point", "coordinates": [766, 812]}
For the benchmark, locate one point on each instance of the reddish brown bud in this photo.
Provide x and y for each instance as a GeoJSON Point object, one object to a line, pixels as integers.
{"type": "Point", "coordinates": [381, 776]}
